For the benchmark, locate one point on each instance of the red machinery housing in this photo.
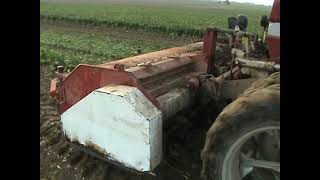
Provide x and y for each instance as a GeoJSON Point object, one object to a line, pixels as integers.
{"type": "Point", "coordinates": [273, 37]}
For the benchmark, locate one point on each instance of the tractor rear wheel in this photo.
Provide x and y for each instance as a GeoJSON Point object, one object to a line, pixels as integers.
{"type": "Point", "coordinates": [244, 141]}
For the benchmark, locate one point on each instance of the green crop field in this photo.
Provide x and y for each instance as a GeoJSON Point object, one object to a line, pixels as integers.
{"type": "Point", "coordinates": [176, 20]}
{"type": "Point", "coordinates": [60, 47]}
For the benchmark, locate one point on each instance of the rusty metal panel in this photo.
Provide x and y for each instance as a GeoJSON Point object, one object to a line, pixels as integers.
{"type": "Point", "coordinates": [53, 87]}
{"type": "Point", "coordinates": [86, 78]}
{"type": "Point", "coordinates": [135, 60]}
{"type": "Point", "coordinates": [275, 12]}
{"type": "Point", "coordinates": [274, 48]}
{"type": "Point", "coordinates": [150, 68]}
{"type": "Point", "coordinates": [273, 38]}
{"type": "Point", "coordinates": [143, 72]}
{"type": "Point", "coordinates": [209, 47]}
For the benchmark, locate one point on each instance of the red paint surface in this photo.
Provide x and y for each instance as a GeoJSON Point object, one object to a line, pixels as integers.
{"type": "Point", "coordinates": [275, 12]}
{"type": "Point", "coordinates": [274, 48]}
{"type": "Point", "coordinates": [53, 87]}
{"type": "Point", "coordinates": [209, 47]}
{"type": "Point", "coordinates": [274, 42]}
{"type": "Point", "coordinates": [86, 78]}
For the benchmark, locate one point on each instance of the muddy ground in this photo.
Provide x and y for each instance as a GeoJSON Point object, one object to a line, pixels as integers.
{"type": "Point", "coordinates": [60, 160]}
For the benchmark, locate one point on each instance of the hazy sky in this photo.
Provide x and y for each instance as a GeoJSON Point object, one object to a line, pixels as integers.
{"type": "Point", "coordinates": [263, 2]}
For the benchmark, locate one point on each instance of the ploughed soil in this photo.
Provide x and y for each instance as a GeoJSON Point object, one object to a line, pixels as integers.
{"type": "Point", "coordinates": [60, 160]}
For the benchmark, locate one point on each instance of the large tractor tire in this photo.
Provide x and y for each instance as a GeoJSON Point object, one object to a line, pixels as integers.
{"type": "Point", "coordinates": [244, 141]}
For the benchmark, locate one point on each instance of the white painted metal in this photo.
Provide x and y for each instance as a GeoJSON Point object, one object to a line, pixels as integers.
{"type": "Point", "coordinates": [274, 29]}
{"type": "Point", "coordinates": [121, 123]}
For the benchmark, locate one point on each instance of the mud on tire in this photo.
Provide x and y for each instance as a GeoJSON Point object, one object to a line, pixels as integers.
{"type": "Point", "coordinates": [258, 106]}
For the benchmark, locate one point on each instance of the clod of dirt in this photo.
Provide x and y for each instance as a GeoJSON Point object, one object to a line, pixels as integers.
{"type": "Point", "coordinates": [173, 153]}
{"type": "Point", "coordinates": [194, 166]}
{"type": "Point", "coordinates": [64, 175]}
{"type": "Point", "coordinates": [100, 172]}
{"type": "Point", "coordinates": [43, 144]}
{"type": "Point", "coordinates": [63, 148]}
{"type": "Point", "coordinates": [54, 137]}
{"type": "Point", "coordinates": [48, 127]}
{"type": "Point", "coordinates": [118, 175]}
{"type": "Point", "coordinates": [89, 168]}
{"type": "Point", "coordinates": [75, 157]}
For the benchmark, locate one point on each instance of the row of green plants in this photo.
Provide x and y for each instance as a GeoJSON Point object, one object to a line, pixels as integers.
{"type": "Point", "coordinates": [70, 49]}
{"type": "Point", "coordinates": [176, 31]}
{"type": "Point", "coordinates": [179, 21]}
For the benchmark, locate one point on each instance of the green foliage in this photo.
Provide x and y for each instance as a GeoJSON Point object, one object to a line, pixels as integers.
{"type": "Point", "coordinates": [172, 20]}
{"type": "Point", "coordinates": [70, 49]}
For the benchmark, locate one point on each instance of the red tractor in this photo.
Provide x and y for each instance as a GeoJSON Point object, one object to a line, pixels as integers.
{"type": "Point", "coordinates": [117, 110]}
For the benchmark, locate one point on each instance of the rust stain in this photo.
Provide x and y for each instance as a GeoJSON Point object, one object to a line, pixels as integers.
{"type": "Point", "coordinates": [53, 88]}
{"type": "Point", "coordinates": [90, 144]}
